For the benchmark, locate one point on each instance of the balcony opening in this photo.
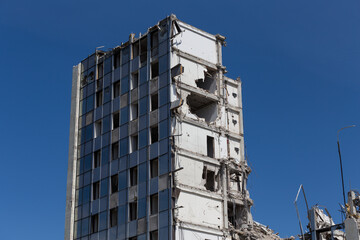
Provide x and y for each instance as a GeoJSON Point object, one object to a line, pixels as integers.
{"type": "Point", "coordinates": [202, 107]}
{"type": "Point", "coordinates": [208, 83]}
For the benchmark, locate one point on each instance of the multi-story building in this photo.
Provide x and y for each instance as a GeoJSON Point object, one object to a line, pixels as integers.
{"type": "Point", "coordinates": [156, 141]}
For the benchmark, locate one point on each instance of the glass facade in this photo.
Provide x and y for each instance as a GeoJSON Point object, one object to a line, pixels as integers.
{"type": "Point", "coordinates": [122, 153]}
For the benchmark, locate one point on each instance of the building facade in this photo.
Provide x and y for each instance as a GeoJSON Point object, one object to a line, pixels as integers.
{"type": "Point", "coordinates": [156, 145]}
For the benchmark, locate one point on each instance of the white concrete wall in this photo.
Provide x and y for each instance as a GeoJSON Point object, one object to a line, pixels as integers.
{"type": "Point", "coordinates": [233, 94]}
{"type": "Point", "coordinates": [196, 42]}
{"type": "Point", "coordinates": [187, 234]}
{"type": "Point", "coordinates": [194, 139]}
{"type": "Point", "coordinates": [234, 122]}
{"type": "Point", "coordinates": [191, 175]}
{"type": "Point", "coordinates": [200, 210]}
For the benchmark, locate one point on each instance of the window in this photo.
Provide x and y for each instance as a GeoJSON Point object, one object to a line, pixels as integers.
{"type": "Point", "coordinates": [154, 134]}
{"type": "Point", "coordinates": [97, 129]}
{"type": "Point", "coordinates": [154, 69]}
{"type": "Point", "coordinates": [134, 111]}
{"type": "Point", "coordinates": [132, 211]}
{"type": "Point", "coordinates": [135, 49]}
{"type": "Point", "coordinates": [134, 143]}
{"type": "Point", "coordinates": [116, 59]}
{"type": "Point", "coordinates": [96, 190]}
{"type": "Point", "coordinates": [133, 176]}
{"type": "Point", "coordinates": [154, 235]}
{"type": "Point", "coordinates": [210, 146]}
{"type": "Point", "coordinates": [209, 177]}
{"type": "Point", "coordinates": [154, 164]}
{"type": "Point", "coordinates": [210, 181]}
{"type": "Point", "coordinates": [116, 89]}
{"type": "Point", "coordinates": [97, 158]}
{"type": "Point", "coordinates": [95, 223]}
{"type": "Point", "coordinates": [134, 80]}
{"type": "Point", "coordinates": [143, 50]}
{"type": "Point", "coordinates": [99, 98]}
{"type": "Point", "coordinates": [154, 102]}
{"type": "Point", "coordinates": [154, 204]}
{"type": "Point", "coordinates": [115, 151]}
{"type": "Point", "coordinates": [114, 183]}
{"type": "Point", "coordinates": [100, 70]}
{"type": "Point", "coordinates": [116, 120]}
{"type": "Point", "coordinates": [113, 217]}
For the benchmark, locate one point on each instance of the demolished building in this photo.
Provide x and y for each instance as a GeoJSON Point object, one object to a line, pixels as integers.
{"type": "Point", "coordinates": [157, 142]}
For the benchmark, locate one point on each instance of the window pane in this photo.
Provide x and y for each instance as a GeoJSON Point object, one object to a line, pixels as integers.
{"type": "Point", "coordinates": [104, 187]}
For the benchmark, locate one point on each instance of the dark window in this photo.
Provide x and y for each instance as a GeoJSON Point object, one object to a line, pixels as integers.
{"type": "Point", "coordinates": [96, 190]}
{"type": "Point", "coordinates": [116, 89]}
{"type": "Point", "coordinates": [98, 129]}
{"type": "Point", "coordinates": [154, 204]}
{"type": "Point", "coordinates": [97, 158]}
{"type": "Point", "coordinates": [154, 69]}
{"type": "Point", "coordinates": [114, 183]}
{"type": "Point", "coordinates": [210, 146]}
{"type": "Point", "coordinates": [135, 49]}
{"type": "Point", "coordinates": [134, 143]}
{"type": "Point", "coordinates": [154, 102]}
{"type": "Point", "coordinates": [132, 211]}
{"type": "Point", "coordinates": [154, 168]}
{"type": "Point", "coordinates": [134, 80]}
{"type": "Point", "coordinates": [134, 111]}
{"type": "Point", "coordinates": [99, 98]}
{"type": "Point", "coordinates": [116, 60]}
{"type": "Point", "coordinates": [113, 217]}
{"type": "Point", "coordinates": [115, 151]}
{"type": "Point", "coordinates": [95, 223]}
{"type": "Point", "coordinates": [100, 70]}
{"type": "Point", "coordinates": [143, 50]}
{"type": "Point", "coordinates": [154, 235]}
{"type": "Point", "coordinates": [116, 120]}
{"type": "Point", "coordinates": [133, 176]}
{"type": "Point", "coordinates": [154, 131]}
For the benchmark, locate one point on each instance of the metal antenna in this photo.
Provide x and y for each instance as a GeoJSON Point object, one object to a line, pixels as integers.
{"type": "Point", "coordinates": [341, 168]}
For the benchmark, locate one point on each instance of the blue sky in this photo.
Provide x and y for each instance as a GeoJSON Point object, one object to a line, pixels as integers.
{"type": "Point", "coordinates": [298, 61]}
